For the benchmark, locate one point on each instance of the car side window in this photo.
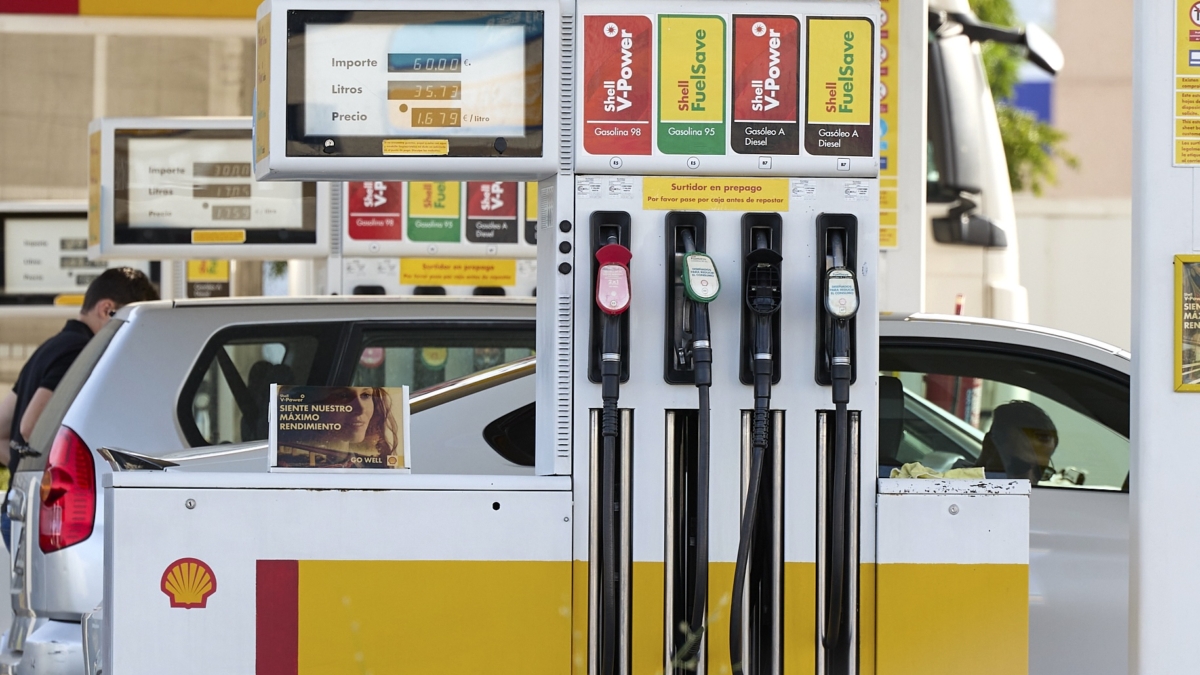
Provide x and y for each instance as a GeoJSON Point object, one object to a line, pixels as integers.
{"type": "Point", "coordinates": [425, 357]}
{"type": "Point", "coordinates": [225, 398]}
{"type": "Point", "coordinates": [1063, 425]}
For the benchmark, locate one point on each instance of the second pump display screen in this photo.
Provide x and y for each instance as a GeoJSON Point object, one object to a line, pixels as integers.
{"type": "Point", "coordinates": [440, 83]}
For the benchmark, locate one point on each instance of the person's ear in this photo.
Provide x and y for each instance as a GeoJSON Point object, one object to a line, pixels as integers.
{"type": "Point", "coordinates": [104, 309]}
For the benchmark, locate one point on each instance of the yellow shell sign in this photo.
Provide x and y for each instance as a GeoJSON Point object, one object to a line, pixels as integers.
{"type": "Point", "coordinates": [189, 582]}
{"type": "Point", "coordinates": [839, 114]}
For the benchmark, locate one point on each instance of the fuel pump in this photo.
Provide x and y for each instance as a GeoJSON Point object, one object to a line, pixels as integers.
{"type": "Point", "coordinates": [612, 295]}
{"type": "Point", "coordinates": [762, 283]}
{"type": "Point", "coordinates": [838, 303]}
{"type": "Point", "coordinates": [692, 283]}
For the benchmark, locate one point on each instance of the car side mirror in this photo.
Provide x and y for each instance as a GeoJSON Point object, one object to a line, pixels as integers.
{"type": "Point", "coordinates": [1044, 51]}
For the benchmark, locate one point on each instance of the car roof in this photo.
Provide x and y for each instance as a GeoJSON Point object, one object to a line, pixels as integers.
{"type": "Point", "coordinates": [976, 329]}
{"type": "Point", "coordinates": [325, 301]}
{"type": "Point", "coordinates": [917, 325]}
{"type": "Point", "coordinates": [355, 299]}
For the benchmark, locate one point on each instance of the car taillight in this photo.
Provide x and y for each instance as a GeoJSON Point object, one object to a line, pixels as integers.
{"type": "Point", "coordinates": [68, 497]}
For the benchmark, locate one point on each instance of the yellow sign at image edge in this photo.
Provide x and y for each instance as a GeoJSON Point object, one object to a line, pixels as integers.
{"type": "Point", "coordinates": [262, 113]}
{"type": "Point", "coordinates": [1187, 151]}
{"type": "Point", "coordinates": [889, 237]}
{"type": "Point", "coordinates": [94, 189]}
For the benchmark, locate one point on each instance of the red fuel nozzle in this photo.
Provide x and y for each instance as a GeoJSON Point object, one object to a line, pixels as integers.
{"type": "Point", "coordinates": [612, 280]}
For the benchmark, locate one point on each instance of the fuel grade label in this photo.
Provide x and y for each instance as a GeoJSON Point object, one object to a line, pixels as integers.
{"type": "Point", "coordinates": [492, 213]}
{"type": "Point", "coordinates": [617, 85]}
{"type": "Point", "coordinates": [766, 85]}
{"type": "Point", "coordinates": [691, 85]}
{"type": "Point", "coordinates": [839, 116]}
{"type": "Point", "coordinates": [373, 210]}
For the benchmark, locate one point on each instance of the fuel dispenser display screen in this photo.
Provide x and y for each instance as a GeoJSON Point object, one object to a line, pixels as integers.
{"type": "Point", "coordinates": [171, 182]}
{"type": "Point", "coordinates": [384, 83]}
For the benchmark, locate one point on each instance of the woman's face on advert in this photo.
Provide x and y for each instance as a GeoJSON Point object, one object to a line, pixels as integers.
{"type": "Point", "coordinates": [358, 406]}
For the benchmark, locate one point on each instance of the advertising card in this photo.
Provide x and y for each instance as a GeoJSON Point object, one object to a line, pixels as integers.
{"type": "Point", "coordinates": [338, 428]}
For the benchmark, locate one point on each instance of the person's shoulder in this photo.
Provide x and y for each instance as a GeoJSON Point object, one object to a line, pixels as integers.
{"type": "Point", "coordinates": [69, 337]}
{"type": "Point", "coordinates": [66, 343]}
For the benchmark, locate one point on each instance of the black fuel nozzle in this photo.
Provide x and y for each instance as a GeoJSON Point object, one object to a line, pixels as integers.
{"type": "Point", "coordinates": [763, 278]}
{"type": "Point", "coordinates": [763, 297]}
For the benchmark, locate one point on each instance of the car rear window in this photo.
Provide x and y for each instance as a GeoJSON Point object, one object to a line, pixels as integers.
{"type": "Point", "coordinates": [224, 399]}
{"type": "Point", "coordinates": [70, 386]}
{"type": "Point", "coordinates": [394, 356]}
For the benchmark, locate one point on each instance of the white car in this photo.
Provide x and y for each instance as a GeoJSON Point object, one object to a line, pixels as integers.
{"type": "Point", "coordinates": [951, 372]}
{"type": "Point", "coordinates": [192, 375]}
{"type": "Point", "coordinates": [164, 377]}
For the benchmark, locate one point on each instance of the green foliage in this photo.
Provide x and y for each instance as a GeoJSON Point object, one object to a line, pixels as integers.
{"type": "Point", "coordinates": [1030, 146]}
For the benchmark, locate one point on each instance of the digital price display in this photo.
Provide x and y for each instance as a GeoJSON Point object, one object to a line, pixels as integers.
{"type": "Point", "coordinates": [171, 182]}
{"type": "Point", "coordinates": [47, 255]}
{"type": "Point", "coordinates": [412, 83]}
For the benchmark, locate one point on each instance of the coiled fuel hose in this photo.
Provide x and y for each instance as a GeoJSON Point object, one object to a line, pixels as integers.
{"type": "Point", "coordinates": [763, 299]}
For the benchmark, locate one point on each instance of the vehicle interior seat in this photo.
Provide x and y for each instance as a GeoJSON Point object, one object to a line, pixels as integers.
{"type": "Point", "coordinates": [891, 423]}
{"type": "Point", "coordinates": [262, 375]}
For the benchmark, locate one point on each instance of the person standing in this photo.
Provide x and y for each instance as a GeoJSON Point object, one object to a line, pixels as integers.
{"type": "Point", "coordinates": [39, 377]}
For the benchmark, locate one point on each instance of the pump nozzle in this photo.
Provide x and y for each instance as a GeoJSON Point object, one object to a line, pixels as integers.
{"type": "Point", "coordinates": [612, 280]}
{"type": "Point", "coordinates": [763, 294]}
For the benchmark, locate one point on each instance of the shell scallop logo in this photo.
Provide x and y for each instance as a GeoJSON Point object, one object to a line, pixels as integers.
{"type": "Point", "coordinates": [188, 582]}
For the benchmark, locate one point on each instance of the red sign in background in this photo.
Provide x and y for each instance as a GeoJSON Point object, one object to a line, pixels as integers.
{"type": "Point", "coordinates": [617, 84]}
{"type": "Point", "coordinates": [373, 209]}
{"type": "Point", "coordinates": [491, 200]}
{"type": "Point", "coordinates": [492, 212]}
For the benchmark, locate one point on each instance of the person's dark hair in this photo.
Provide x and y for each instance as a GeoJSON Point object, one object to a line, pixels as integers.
{"type": "Point", "coordinates": [1022, 415]}
{"type": "Point", "coordinates": [1009, 418]}
{"type": "Point", "coordinates": [122, 285]}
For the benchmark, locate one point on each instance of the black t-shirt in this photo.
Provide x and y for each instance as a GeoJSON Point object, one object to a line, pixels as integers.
{"type": "Point", "coordinates": [46, 369]}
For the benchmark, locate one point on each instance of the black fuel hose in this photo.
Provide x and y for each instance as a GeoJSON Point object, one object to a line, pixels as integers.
{"type": "Point", "coordinates": [759, 434]}
{"type": "Point", "coordinates": [840, 371]}
{"type": "Point", "coordinates": [702, 367]}
{"type": "Point", "coordinates": [762, 286]}
{"type": "Point", "coordinates": [837, 568]}
{"type": "Point", "coordinates": [610, 384]}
